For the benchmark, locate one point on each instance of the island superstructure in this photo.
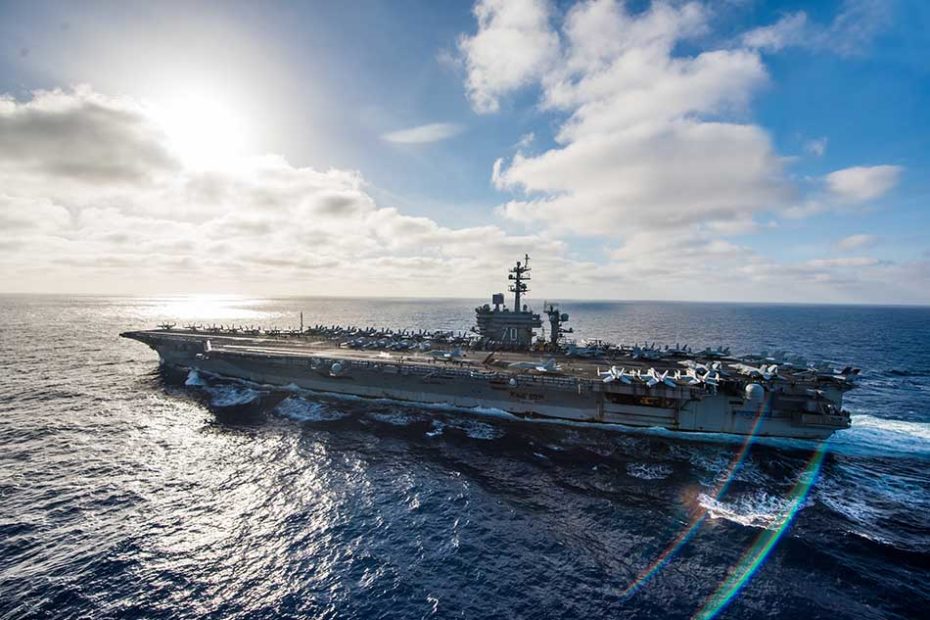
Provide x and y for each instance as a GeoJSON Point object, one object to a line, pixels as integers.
{"type": "Point", "coordinates": [504, 364]}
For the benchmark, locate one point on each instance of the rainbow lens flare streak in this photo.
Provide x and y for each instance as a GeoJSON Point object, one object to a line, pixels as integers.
{"type": "Point", "coordinates": [682, 539]}
{"type": "Point", "coordinates": [755, 556]}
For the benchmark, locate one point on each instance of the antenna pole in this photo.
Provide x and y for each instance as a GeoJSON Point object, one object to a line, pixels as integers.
{"type": "Point", "coordinates": [519, 275]}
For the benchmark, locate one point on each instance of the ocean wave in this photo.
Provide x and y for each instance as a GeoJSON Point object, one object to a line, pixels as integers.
{"type": "Point", "coordinates": [873, 436]}
{"type": "Point", "coordinates": [225, 395]}
{"type": "Point", "coordinates": [874, 501]}
{"type": "Point", "coordinates": [720, 467]}
{"type": "Point", "coordinates": [851, 505]}
{"type": "Point", "coordinates": [645, 471]}
{"type": "Point", "coordinates": [436, 429]}
{"type": "Point", "coordinates": [898, 372]}
{"type": "Point", "coordinates": [755, 509]}
{"type": "Point", "coordinates": [868, 436]}
{"type": "Point", "coordinates": [194, 379]}
{"type": "Point", "coordinates": [477, 430]}
{"type": "Point", "coordinates": [395, 417]}
{"type": "Point", "coordinates": [231, 395]}
{"type": "Point", "coordinates": [307, 411]}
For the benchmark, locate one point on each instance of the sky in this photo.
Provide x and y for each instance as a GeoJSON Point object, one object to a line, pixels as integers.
{"type": "Point", "coordinates": [728, 150]}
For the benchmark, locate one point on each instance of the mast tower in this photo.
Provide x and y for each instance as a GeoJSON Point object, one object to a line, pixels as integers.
{"type": "Point", "coordinates": [519, 275]}
{"type": "Point", "coordinates": [509, 328]}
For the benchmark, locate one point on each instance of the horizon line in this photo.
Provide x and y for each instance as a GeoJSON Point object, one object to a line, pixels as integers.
{"type": "Point", "coordinates": [468, 299]}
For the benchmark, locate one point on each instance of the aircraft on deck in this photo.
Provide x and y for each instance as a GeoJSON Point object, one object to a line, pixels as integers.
{"type": "Point", "coordinates": [717, 353]}
{"type": "Point", "coordinates": [447, 356]}
{"type": "Point", "coordinates": [548, 366]}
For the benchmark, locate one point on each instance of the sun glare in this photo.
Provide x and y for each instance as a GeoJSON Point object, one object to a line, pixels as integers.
{"type": "Point", "coordinates": [203, 132]}
{"type": "Point", "coordinates": [206, 307]}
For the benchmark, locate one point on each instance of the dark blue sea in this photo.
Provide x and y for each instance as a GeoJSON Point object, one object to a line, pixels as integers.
{"type": "Point", "coordinates": [130, 491]}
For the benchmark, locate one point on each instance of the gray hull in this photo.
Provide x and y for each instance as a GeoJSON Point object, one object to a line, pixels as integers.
{"type": "Point", "coordinates": [521, 394]}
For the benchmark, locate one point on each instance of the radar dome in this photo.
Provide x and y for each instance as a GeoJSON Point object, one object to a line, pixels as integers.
{"type": "Point", "coordinates": [755, 392]}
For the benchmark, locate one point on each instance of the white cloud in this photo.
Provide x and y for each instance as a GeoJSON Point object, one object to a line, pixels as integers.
{"type": "Point", "coordinates": [862, 183]}
{"type": "Point", "coordinates": [787, 31]}
{"type": "Point", "coordinates": [654, 154]}
{"type": "Point", "coordinates": [816, 147]}
{"type": "Point", "coordinates": [856, 242]}
{"type": "Point", "coordinates": [850, 33]}
{"type": "Point", "coordinates": [855, 26]}
{"type": "Point", "coordinates": [513, 46]}
{"type": "Point", "coordinates": [645, 144]}
{"type": "Point", "coordinates": [83, 136]}
{"type": "Point", "coordinates": [131, 218]}
{"type": "Point", "coordinates": [846, 261]}
{"type": "Point", "coordinates": [526, 140]}
{"type": "Point", "coordinates": [684, 173]}
{"type": "Point", "coordinates": [432, 132]}
{"type": "Point", "coordinates": [845, 190]}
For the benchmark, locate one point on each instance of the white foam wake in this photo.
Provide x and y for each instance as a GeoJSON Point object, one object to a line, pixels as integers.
{"type": "Point", "coordinates": [874, 436]}
{"type": "Point", "coordinates": [644, 471]}
{"type": "Point", "coordinates": [306, 411]}
{"type": "Point", "coordinates": [477, 430]}
{"type": "Point", "coordinates": [194, 379]}
{"type": "Point", "coordinates": [756, 509]}
{"type": "Point", "coordinates": [395, 417]}
{"type": "Point", "coordinates": [232, 396]}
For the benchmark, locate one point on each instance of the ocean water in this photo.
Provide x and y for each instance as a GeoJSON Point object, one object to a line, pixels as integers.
{"type": "Point", "coordinates": [131, 491]}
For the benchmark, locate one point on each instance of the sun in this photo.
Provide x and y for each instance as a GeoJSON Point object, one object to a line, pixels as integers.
{"type": "Point", "coordinates": [203, 132]}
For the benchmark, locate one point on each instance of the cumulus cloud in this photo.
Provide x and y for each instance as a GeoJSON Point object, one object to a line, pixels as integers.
{"type": "Point", "coordinates": [654, 137]}
{"type": "Point", "coordinates": [862, 183]}
{"type": "Point", "coordinates": [432, 132]}
{"type": "Point", "coordinates": [513, 46]}
{"type": "Point", "coordinates": [82, 136]}
{"type": "Point", "coordinates": [653, 151]}
{"type": "Point", "coordinates": [132, 218]}
{"type": "Point", "coordinates": [645, 143]}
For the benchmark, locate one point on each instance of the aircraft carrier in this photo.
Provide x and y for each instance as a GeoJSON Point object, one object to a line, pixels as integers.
{"type": "Point", "coordinates": [503, 364]}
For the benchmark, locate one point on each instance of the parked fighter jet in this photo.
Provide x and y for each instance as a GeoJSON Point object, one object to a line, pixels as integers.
{"type": "Point", "coordinates": [612, 374]}
{"type": "Point", "coordinates": [653, 378]}
{"type": "Point", "coordinates": [446, 356]}
{"type": "Point", "coordinates": [549, 366]}
{"type": "Point", "coordinates": [715, 353]}
{"type": "Point", "coordinates": [763, 371]}
{"type": "Point", "coordinates": [647, 352]}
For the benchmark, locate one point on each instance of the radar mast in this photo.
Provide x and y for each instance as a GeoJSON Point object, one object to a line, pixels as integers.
{"type": "Point", "coordinates": [519, 275]}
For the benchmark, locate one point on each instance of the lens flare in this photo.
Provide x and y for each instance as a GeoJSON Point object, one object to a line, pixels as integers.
{"type": "Point", "coordinates": [688, 533]}
{"type": "Point", "coordinates": [757, 553]}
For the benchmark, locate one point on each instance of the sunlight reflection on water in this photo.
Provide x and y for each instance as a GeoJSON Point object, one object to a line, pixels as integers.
{"type": "Point", "coordinates": [200, 307]}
